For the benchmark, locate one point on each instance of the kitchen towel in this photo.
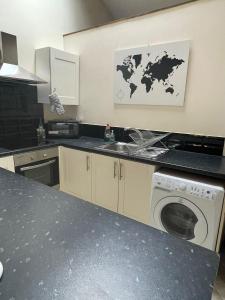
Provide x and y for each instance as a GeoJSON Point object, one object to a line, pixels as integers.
{"type": "Point", "coordinates": [55, 103]}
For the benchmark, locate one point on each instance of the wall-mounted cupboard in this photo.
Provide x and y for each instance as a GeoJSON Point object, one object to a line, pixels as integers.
{"type": "Point", "coordinates": [61, 70]}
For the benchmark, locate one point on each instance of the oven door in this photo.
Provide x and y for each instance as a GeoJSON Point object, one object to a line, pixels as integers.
{"type": "Point", "coordinates": [46, 171]}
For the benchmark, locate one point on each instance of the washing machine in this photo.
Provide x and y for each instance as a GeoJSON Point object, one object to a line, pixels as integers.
{"type": "Point", "coordinates": [187, 206]}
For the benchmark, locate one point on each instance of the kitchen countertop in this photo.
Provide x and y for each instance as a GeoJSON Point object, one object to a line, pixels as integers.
{"type": "Point", "coordinates": [55, 246]}
{"type": "Point", "coordinates": [203, 164]}
{"type": "Point", "coordinates": [3, 150]}
{"type": "Point", "coordinates": [197, 163]}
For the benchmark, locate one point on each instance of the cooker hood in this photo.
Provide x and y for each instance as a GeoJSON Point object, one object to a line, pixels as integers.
{"type": "Point", "coordinates": [10, 71]}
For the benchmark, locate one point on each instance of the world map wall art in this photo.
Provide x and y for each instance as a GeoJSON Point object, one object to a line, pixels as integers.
{"type": "Point", "coordinates": [152, 75]}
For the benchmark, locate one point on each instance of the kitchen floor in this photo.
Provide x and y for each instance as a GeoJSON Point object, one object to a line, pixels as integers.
{"type": "Point", "coordinates": [219, 290]}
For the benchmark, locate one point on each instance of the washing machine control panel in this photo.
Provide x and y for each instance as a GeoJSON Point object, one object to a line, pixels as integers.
{"type": "Point", "coordinates": [184, 186]}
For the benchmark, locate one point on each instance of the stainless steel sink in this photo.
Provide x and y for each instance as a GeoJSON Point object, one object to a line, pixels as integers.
{"type": "Point", "coordinates": [151, 152]}
{"type": "Point", "coordinates": [133, 149]}
{"type": "Point", "coordinates": [119, 147]}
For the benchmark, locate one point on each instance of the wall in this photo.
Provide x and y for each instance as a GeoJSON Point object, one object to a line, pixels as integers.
{"type": "Point", "coordinates": [41, 23]}
{"type": "Point", "coordinates": [126, 8]}
{"type": "Point", "coordinates": [204, 111]}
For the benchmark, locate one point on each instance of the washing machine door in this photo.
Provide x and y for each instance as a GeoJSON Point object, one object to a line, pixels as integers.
{"type": "Point", "coordinates": [182, 218]}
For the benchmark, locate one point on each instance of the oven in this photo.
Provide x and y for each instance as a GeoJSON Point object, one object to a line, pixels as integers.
{"type": "Point", "coordinates": [40, 165]}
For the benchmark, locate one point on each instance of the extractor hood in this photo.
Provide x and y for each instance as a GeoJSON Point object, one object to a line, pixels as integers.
{"type": "Point", "coordinates": [10, 71]}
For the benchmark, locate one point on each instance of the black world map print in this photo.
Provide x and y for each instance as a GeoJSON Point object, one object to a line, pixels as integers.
{"type": "Point", "coordinates": [154, 75]}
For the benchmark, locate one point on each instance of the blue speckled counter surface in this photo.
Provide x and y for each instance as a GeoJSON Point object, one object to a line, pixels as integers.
{"type": "Point", "coordinates": [54, 246]}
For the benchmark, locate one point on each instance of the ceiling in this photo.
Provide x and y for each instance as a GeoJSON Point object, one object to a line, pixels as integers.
{"type": "Point", "coordinates": [128, 8]}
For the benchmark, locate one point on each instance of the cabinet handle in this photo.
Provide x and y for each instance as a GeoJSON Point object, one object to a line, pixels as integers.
{"type": "Point", "coordinates": [115, 169]}
{"type": "Point", "coordinates": [88, 163]}
{"type": "Point", "coordinates": [121, 169]}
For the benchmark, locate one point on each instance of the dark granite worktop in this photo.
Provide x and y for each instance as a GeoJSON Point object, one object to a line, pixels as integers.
{"type": "Point", "coordinates": [203, 164]}
{"type": "Point", "coordinates": [3, 150]}
{"type": "Point", "coordinates": [54, 246]}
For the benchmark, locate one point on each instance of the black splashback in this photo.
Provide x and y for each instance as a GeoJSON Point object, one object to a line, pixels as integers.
{"type": "Point", "coordinates": [185, 142]}
{"type": "Point", "coordinates": [19, 115]}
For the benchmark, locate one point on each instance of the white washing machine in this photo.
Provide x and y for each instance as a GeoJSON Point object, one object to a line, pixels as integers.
{"type": "Point", "coordinates": [186, 206]}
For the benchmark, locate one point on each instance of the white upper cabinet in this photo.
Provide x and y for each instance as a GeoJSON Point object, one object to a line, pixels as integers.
{"type": "Point", "coordinates": [61, 70]}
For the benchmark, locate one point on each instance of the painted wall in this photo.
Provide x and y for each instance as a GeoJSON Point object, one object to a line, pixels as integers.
{"type": "Point", "coordinates": [128, 8]}
{"type": "Point", "coordinates": [203, 23]}
{"type": "Point", "coordinates": [41, 23]}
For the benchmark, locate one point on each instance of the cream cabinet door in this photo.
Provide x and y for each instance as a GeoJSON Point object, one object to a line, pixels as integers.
{"type": "Point", "coordinates": [135, 190]}
{"type": "Point", "coordinates": [105, 181]}
{"type": "Point", "coordinates": [7, 163]}
{"type": "Point", "coordinates": [65, 76]}
{"type": "Point", "coordinates": [60, 70]}
{"type": "Point", "coordinates": [75, 172]}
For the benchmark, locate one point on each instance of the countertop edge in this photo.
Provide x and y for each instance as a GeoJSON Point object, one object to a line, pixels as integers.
{"type": "Point", "coordinates": [94, 149]}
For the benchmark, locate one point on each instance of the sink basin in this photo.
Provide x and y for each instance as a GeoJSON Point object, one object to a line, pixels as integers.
{"type": "Point", "coordinates": [129, 148]}
{"type": "Point", "coordinates": [119, 147]}
{"type": "Point", "coordinates": [151, 152]}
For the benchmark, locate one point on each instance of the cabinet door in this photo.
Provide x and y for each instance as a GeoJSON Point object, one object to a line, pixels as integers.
{"type": "Point", "coordinates": [135, 190]}
{"type": "Point", "coordinates": [75, 172]}
{"type": "Point", "coordinates": [42, 66]}
{"type": "Point", "coordinates": [105, 181]}
{"type": "Point", "coordinates": [65, 76]}
{"type": "Point", "coordinates": [7, 163]}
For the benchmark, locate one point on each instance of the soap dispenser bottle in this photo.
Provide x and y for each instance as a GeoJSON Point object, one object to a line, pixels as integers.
{"type": "Point", "coordinates": [112, 136]}
{"type": "Point", "coordinates": [107, 133]}
{"type": "Point", "coordinates": [41, 137]}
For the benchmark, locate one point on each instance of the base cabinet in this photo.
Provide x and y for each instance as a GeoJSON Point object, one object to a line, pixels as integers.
{"type": "Point", "coordinates": [75, 172]}
{"type": "Point", "coordinates": [7, 163]}
{"type": "Point", "coordinates": [119, 185]}
{"type": "Point", "coordinates": [122, 186]}
{"type": "Point", "coordinates": [135, 190]}
{"type": "Point", "coordinates": [105, 181]}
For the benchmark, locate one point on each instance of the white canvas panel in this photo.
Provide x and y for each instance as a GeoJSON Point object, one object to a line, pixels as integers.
{"type": "Point", "coordinates": [152, 75]}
